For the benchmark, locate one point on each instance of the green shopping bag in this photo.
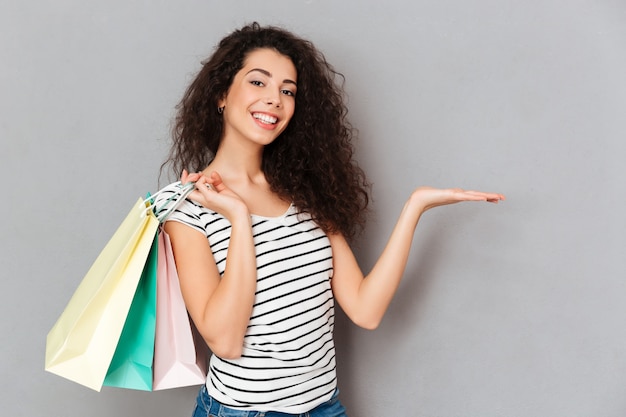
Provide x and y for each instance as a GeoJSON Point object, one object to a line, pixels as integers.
{"type": "Point", "coordinates": [131, 366]}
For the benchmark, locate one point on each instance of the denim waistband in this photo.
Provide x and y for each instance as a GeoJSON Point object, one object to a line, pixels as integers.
{"type": "Point", "coordinates": [207, 406]}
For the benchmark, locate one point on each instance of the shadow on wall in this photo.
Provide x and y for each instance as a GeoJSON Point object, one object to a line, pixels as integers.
{"type": "Point", "coordinates": [410, 300]}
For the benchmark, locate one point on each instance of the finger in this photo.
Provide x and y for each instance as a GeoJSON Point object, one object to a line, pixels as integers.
{"type": "Point", "coordinates": [210, 186]}
{"type": "Point", "coordinates": [494, 197]}
{"type": "Point", "coordinates": [216, 181]}
{"type": "Point", "coordinates": [203, 184]}
{"type": "Point", "coordinates": [187, 177]}
{"type": "Point", "coordinates": [472, 195]}
{"type": "Point", "coordinates": [488, 196]}
{"type": "Point", "coordinates": [197, 195]}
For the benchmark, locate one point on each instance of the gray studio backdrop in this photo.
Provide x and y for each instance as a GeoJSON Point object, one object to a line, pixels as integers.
{"type": "Point", "coordinates": [511, 310]}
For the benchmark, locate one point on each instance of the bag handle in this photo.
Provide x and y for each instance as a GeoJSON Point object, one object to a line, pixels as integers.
{"type": "Point", "coordinates": [179, 193]}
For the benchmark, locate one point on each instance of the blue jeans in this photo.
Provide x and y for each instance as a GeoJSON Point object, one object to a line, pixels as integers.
{"type": "Point", "coordinates": [206, 406]}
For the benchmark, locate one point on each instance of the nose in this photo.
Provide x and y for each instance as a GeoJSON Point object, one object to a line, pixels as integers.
{"type": "Point", "coordinates": [273, 99]}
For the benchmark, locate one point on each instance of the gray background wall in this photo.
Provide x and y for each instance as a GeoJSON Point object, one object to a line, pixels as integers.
{"type": "Point", "coordinates": [510, 310]}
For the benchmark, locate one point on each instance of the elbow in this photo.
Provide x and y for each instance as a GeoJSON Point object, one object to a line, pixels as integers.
{"type": "Point", "coordinates": [365, 318]}
{"type": "Point", "coordinates": [367, 323]}
{"type": "Point", "coordinates": [222, 341]}
{"type": "Point", "coordinates": [228, 354]}
{"type": "Point", "coordinates": [224, 344]}
{"type": "Point", "coordinates": [226, 350]}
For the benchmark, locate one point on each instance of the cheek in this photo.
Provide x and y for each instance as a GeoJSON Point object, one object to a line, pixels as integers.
{"type": "Point", "coordinates": [290, 110]}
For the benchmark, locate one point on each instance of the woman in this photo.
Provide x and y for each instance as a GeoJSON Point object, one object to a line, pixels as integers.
{"type": "Point", "coordinates": [262, 246]}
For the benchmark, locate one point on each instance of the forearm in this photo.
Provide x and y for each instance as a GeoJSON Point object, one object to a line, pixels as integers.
{"type": "Point", "coordinates": [379, 286]}
{"type": "Point", "coordinates": [227, 312]}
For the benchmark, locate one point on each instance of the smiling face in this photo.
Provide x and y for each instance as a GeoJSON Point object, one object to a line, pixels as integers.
{"type": "Point", "coordinates": [261, 99]}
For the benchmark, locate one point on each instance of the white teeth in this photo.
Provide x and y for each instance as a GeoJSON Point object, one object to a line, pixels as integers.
{"type": "Point", "coordinates": [265, 118]}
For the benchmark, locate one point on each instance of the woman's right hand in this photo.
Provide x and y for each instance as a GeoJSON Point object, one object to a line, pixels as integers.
{"type": "Point", "coordinates": [212, 193]}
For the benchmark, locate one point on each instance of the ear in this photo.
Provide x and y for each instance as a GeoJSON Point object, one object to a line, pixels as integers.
{"type": "Point", "coordinates": [222, 101]}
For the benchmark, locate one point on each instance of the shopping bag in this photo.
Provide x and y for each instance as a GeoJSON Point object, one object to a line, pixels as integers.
{"type": "Point", "coordinates": [180, 353]}
{"type": "Point", "coordinates": [131, 366]}
{"type": "Point", "coordinates": [82, 342]}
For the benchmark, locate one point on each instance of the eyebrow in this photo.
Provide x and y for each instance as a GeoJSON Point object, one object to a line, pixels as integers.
{"type": "Point", "coordinates": [269, 74]}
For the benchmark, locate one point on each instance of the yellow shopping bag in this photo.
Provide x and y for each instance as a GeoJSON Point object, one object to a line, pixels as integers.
{"type": "Point", "coordinates": [81, 344]}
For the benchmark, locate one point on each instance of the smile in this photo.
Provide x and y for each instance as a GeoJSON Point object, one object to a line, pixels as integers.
{"type": "Point", "coordinates": [264, 118]}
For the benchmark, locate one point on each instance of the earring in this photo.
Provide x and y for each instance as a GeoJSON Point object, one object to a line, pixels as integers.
{"type": "Point", "coordinates": [220, 110]}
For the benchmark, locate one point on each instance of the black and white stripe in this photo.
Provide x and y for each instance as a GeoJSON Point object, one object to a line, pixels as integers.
{"type": "Point", "coordinates": [288, 360]}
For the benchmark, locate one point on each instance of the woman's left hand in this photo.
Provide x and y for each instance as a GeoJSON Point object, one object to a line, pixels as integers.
{"type": "Point", "coordinates": [428, 197]}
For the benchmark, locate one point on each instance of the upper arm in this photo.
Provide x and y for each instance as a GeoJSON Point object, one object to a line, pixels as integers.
{"type": "Point", "coordinates": [197, 271]}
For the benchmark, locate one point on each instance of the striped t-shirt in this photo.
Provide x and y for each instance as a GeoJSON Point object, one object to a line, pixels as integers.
{"type": "Point", "coordinates": [288, 360]}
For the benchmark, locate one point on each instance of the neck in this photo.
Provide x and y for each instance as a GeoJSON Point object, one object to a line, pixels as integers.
{"type": "Point", "coordinates": [235, 162]}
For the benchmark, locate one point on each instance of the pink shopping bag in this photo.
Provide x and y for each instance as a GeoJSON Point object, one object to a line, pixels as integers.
{"type": "Point", "coordinates": [180, 353]}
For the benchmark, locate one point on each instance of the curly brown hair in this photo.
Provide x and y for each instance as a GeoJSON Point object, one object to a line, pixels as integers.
{"type": "Point", "coordinates": [311, 162]}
